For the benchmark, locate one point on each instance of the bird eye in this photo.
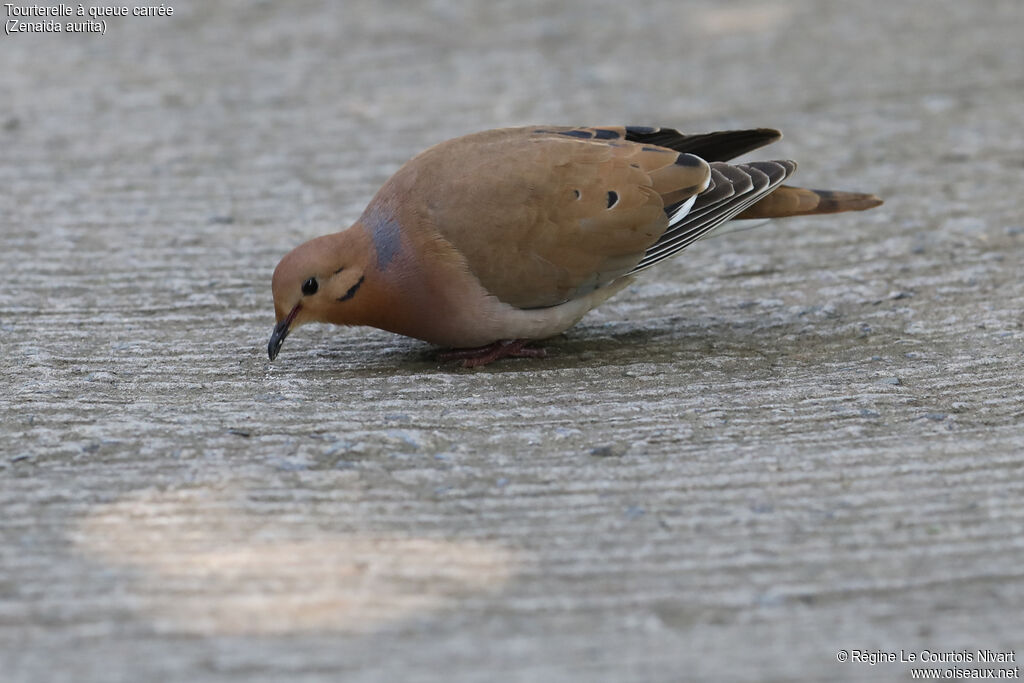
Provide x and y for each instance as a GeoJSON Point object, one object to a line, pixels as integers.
{"type": "Point", "coordinates": [310, 286]}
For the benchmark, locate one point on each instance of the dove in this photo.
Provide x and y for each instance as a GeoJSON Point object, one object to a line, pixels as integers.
{"type": "Point", "coordinates": [486, 242]}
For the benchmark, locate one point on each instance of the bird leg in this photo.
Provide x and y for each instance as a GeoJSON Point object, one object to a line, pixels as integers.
{"type": "Point", "coordinates": [482, 355]}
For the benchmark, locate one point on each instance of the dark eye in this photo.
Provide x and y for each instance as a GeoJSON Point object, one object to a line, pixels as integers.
{"type": "Point", "coordinates": [309, 287]}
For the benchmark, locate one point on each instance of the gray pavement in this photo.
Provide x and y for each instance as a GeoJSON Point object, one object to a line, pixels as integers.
{"type": "Point", "coordinates": [788, 442]}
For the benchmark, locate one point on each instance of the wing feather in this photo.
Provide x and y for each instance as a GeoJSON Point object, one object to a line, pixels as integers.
{"type": "Point", "coordinates": [748, 183]}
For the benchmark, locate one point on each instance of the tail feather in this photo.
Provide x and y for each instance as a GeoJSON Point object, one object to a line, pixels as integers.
{"type": "Point", "coordinates": [799, 201]}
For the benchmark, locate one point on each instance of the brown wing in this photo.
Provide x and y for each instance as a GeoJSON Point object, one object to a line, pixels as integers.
{"type": "Point", "coordinates": [543, 215]}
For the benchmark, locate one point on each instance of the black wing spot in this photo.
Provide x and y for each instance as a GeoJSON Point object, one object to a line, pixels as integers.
{"type": "Point", "coordinates": [613, 198]}
{"type": "Point", "coordinates": [688, 160]}
{"type": "Point", "coordinates": [352, 290]}
{"type": "Point", "coordinates": [641, 130]}
{"type": "Point", "coordinates": [603, 134]}
{"type": "Point", "coordinates": [577, 133]}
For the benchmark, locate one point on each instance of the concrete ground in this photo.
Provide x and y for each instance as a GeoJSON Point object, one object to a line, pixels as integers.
{"type": "Point", "coordinates": [787, 443]}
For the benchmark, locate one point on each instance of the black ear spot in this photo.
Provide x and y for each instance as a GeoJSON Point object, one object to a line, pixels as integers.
{"type": "Point", "coordinates": [613, 198]}
{"type": "Point", "coordinates": [352, 290]}
{"type": "Point", "coordinates": [310, 286]}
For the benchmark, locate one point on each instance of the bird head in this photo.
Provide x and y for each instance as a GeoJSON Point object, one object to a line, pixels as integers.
{"type": "Point", "coordinates": [320, 281]}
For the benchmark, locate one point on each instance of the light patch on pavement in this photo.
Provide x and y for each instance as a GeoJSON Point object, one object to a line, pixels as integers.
{"type": "Point", "coordinates": [743, 18]}
{"type": "Point", "coordinates": [202, 565]}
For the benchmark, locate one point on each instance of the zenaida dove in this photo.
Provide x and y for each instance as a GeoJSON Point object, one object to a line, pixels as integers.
{"type": "Point", "coordinates": [490, 240]}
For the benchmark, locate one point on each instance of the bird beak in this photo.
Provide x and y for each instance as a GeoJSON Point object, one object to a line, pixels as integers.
{"type": "Point", "coordinates": [281, 331]}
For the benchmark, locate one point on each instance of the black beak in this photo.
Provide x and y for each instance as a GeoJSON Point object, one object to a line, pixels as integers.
{"type": "Point", "coordinates": [281, 331]}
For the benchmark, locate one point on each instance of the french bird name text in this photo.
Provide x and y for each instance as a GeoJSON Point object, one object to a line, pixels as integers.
{"type": "Point", "coordinates": [40, 18]}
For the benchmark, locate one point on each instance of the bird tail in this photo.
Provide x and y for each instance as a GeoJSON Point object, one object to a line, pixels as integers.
{"type": "Point", "coordinates": [798, 201]}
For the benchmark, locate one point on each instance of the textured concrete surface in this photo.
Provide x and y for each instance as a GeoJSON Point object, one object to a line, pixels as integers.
{"type": "Point", "coordinates": [791, 441]}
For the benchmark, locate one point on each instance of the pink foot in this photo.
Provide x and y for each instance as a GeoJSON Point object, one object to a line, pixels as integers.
{"type": "Point", "coordinates": [482, 355]}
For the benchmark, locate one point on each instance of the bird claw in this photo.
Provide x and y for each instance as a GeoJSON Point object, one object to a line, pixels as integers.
{"type": "Point", "coordinates": [484, 355]}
